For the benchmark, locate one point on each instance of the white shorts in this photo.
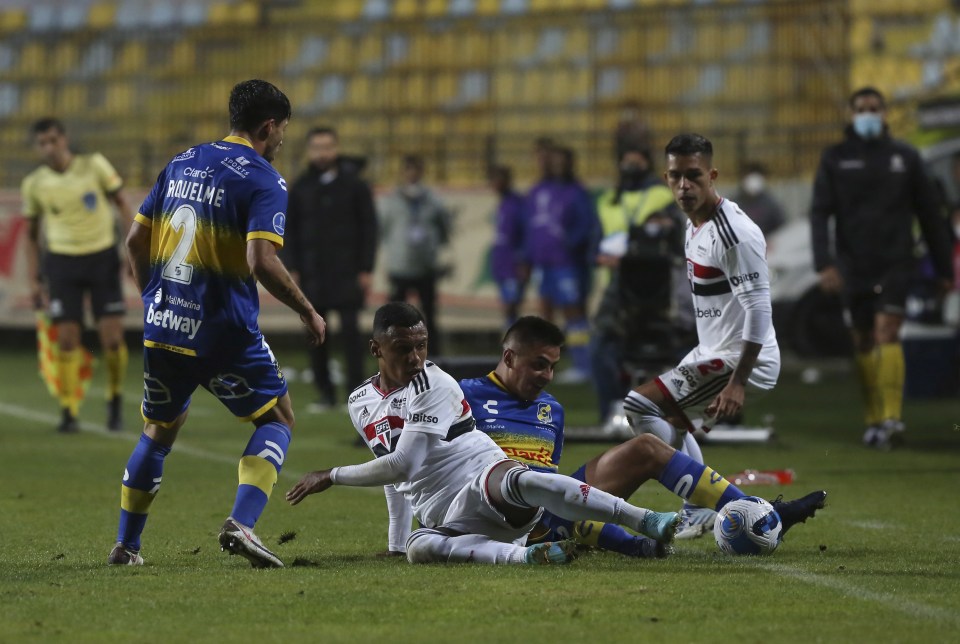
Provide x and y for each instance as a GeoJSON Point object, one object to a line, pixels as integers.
{"type": "Point", "coordinates": [472, 512]}
{"type": "Point", "coordinates": [696, 381]}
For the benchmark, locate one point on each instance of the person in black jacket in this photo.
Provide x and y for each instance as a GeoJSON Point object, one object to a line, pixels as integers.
{"type": "Point", "coordinates": [873, 186]}
{"type": "Point", "coordinates": [331, 244]}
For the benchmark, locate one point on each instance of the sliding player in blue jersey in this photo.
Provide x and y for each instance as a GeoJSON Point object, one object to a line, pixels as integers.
{"type": "Point", "coordinates": [510, 405]}
{"type": "Point", "coordinates": [205, 235]}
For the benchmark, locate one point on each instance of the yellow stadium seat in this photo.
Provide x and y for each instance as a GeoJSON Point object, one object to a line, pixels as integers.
{"type": "Point", "coordinates": [132, 59]}
{"type": "Point", "coordinates": [506, 87]}
{"type": "Point", "coordinates": [435, 8]}
{"type": "Point", "coordinates": [72, 98]}
{"type": "Point", "coordinates": [370, 51]}
{"type": "Point", "coordinates": [33, 59]}
{"type": "Point", "coordinates": [861, 35]}
{"type": "Point", "coordinates": [183, 56]}
{"type": "Point", "coordinates": [488, 7]}
{"type": "Point", "coordinates": [120, 98]}
{"type": "Point", "coordinates": [37, 100]}
{"type": "Point", "coordinates": [347, 9]}
{"type": "Point", "coordinates": [101, 15]}
{"type": "Point", "coordinates": [63, 58]}
{"type": "Point", "coordinates": [406, 9]}
{"type": "Point", "coordinates": [12, 20]}
{"type": "Point", "coordinates": [219, 14]}
{"type": "Point", "coordinates": [444, 89]}
{"type": "Point", "coordinates": [359, 92]}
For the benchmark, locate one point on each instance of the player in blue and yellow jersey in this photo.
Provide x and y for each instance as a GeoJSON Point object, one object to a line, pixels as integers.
{"type": "Point", "coordinates": [205, 235]}
{"type": "Point", "coordinates": [71, 199]}
{"type": "Point", "coordinates": [510, 405]}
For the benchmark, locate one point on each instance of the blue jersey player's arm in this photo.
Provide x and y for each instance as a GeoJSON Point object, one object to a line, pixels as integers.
{"type": "Point", "coordinates": [138, 238]}
{"type": "Point", "coordinates": [265, 228]}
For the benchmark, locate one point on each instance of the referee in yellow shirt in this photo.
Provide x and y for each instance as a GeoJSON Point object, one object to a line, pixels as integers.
{"type": "Point", "coordinates": [68, 199]}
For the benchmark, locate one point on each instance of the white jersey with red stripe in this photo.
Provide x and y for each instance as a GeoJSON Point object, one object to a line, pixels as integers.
{"type": "Point", "coordinates": [434, 404]}
{"type": "Point", "coordinates": [726, 258]}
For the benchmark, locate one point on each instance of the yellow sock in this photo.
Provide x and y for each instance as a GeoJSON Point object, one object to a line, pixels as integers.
{"type": "Point", "coordinates": [588, 532]}
{"type": "Point", "coordinates": [890, 377]}
{"type": "Point", "coordinates": [116, 367]}
{"type": "Point", "coordinates": [867, 370]}
{"type": "Point", "coordinates": [68, 372]}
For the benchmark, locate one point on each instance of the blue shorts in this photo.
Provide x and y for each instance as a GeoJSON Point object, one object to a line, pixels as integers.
{"type": "Point", "coordinates": [511, 290]}
{"type": "Point", "coordinates": [247, 381]}
{"type": "Point", "coordinates": [561, 285]}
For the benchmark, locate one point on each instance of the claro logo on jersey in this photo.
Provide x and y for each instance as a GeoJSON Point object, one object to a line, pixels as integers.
{"type": "Point", "coordinates": [709, 313]}
{"type": "Point", "coordinates": [423, 418]}
{"type": "Point", "coordinates": [737, 280]}
{"type": "Point", "coordinates": [170, 320]}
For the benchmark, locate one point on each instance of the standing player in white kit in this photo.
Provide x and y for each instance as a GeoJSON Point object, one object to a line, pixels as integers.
{"type": "Point", "coordinates": [730, 284]}
{"type": "Point", "coordinates": [473, 502]}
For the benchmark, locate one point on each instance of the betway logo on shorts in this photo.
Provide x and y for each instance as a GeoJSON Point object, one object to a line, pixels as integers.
{"type": "Point", "coordinates": [737, 280]}
{"type": "Point", "coordinates": [709, 313]}
{"type": "Point", "coordinates": [423, 418]}
{"type": "Point", "coordinates": [170, 320]}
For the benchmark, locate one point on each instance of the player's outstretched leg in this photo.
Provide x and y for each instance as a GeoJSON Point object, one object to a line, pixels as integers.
{"type": "Point", "coordinates": [571, 499]}
{"type": "Point", "coordinates": [799, 510]}
{"type": "Point", "coordinates": [608, 536]}
{"type": "Point", "coordinates": [703, 490]}
{"type": "Point", "coordinates": [433, 546]}
{"type": "Point", "coordinates": [258, 472]}
{"type": "Point", "coordinates": [141, 482]}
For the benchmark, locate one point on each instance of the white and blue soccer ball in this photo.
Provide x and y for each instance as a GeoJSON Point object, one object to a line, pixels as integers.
{"type": "Point", "coordinates": [748, 526]}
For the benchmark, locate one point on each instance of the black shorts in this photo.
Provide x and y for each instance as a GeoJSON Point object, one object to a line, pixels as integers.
{"type": "Point", "coordinates": [882, 291]}
{"type": "Point", "coordinates": [71, 277]}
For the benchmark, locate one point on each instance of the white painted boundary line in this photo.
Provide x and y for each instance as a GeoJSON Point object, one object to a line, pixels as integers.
{"type": "Point", "coordinates": [25, 413]}
{"type": "Point", "coordinates": [889, 600]}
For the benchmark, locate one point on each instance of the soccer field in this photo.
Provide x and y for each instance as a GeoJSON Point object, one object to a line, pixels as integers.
{"type": "Point", "coordinates": [880, 563]}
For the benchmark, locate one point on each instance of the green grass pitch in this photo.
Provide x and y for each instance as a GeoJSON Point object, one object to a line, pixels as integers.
{"type": "Point", "coordinates": [880, 563]}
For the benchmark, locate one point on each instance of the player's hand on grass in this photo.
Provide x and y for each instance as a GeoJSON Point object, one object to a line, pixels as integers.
{"type": "Point", "coordinates": [311, 483]}
{"type": "Point", "coordinates": [316, 326]}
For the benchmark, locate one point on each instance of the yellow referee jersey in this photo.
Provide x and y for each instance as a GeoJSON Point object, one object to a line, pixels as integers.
{"type": "Point", "coordinates": [77, 217]}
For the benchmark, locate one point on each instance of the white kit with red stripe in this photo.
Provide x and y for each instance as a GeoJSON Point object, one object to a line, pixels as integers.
{"type": "Point", "coordinates": [726, 257]}
{"type": "Point", "coordinates": [432, 403]}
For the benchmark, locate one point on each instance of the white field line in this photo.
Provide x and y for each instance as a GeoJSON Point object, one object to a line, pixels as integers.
{"type": "Point", "coordinates": [25, 413]}
{"type": "Point", "coordinates": [889, 600]}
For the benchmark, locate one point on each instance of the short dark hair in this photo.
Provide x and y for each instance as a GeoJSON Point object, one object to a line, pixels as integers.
{"type": "Point", "coordinates": [395, 314]}
{"type": "Point", "coordinates": [751, 167]}
{"type": "Point", "coordinates": [504, 172]}
{"type": "Point", "coordinates": [413, 161]}
{"type": "Point", "coordinates": [254, 101]}
{"type": "Point", "coordinates": [685, 145]}
{"type": "Point", "coordinates": [869, 90]}
{"type": "Point", "coordinates": [531, 330]}
{"type": "Point", "coordinates": [327, 130]}
{"type": "Point", "coordinates": [47, 123]}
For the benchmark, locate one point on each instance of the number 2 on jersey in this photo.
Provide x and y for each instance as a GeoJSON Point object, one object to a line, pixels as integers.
{"type": "Point", "coordinates": [184, 221]}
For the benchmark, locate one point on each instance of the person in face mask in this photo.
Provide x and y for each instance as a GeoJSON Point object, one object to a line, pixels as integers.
{"type": "Point", "coordinates": [640, 208]}
{"type": "Point", "coordinates": [414, 227]}
{"type": "Point", "coordinates": [871, 186]}
{"type": "Point", "coordinates": [755, 200]}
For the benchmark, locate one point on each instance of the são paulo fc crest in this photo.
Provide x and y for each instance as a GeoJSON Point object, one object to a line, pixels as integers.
{"type": "Point", "coordinates": [544, 413]}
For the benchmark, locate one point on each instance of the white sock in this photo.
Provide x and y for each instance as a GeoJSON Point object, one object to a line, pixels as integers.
{"type": "Point", "coordinates": [691, 448]}
{"type": "Point", "coordinates": [568, 498]}
{"type": "Point", "coordinates": [430, 546]}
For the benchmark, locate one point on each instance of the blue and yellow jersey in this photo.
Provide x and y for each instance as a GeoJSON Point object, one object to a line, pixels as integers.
{"type": "Point", "coordinates": [528, 432]}
{"type": "Point", "coordinates": [207, 203]}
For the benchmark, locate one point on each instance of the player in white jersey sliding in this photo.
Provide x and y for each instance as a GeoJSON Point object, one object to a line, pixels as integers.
{"type": "Point", "coordinates": [729, 280]}
{"type": "Point", "coordinates": [473, 502]}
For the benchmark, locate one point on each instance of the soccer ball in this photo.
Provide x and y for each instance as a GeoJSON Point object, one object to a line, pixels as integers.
{"type": "Point", "coordinates": [748, 526]}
